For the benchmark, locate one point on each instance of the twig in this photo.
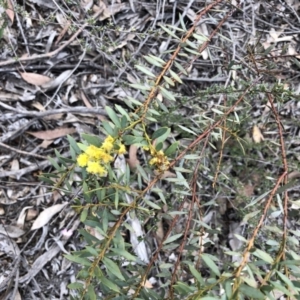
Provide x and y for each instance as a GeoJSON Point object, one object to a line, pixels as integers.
{"type": "Point", "coordinates": [53, 53]}
{"type": "Point", "coordinates": [246, 253]}
{"type": "Point", "coordinates": [22, 152]}
{"type": "Point", "coordinates": [42, 114]}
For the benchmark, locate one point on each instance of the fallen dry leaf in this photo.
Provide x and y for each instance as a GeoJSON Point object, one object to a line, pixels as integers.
{"type": "Point", "coordinates": [257, 135]}
{"type": "Point", "coordinates": [15, 165]}
{"type": "Point", "coordinates": [46, 215]}
{"type": "Point", "coordinates": [11, 231]}
{"type": "Point", "coordinates": [10, 11]}
{"type": "Point", "coordinates": [52, 134]}
{"type": "Point", "coordinates": [55, 82]}
{"type": "Point", "coordinates": [46, 143]}
{"type": "Point", "coordinates": [133, 160]}
{"type": "Point", "coordinates": [38, 106]}
{"type": "Point", "coordinates": [31, 214]}
{"type": "Point", "coordinates": [147, 284]}
{"type": "Point", "coordinates": [166, 174]}
{"type": "Point", "coordinates": [35, 79]}
{"type": "Point", "coordinates": [22, 216]}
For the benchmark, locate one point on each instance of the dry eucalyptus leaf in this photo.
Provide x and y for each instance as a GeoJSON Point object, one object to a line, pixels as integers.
{"type": "Point", "coordinates": [133, 160]}
{"type": "Point", "coordinates": [147, 284]}
{"type": "Point", "coordinates": [46, 143]}
{"type": "Point", "coordinates": [31, 214]}
{"type": "Point", "coordinates": [111, 10]}
{"type": "Point", "coordinates": [22, 216]}
{"type": "Point", "coordinates": [35, 79]}
{"type": "Point", "coordinates": [15, 165]}
{"type": "Point", "coordinates": [52, 134]}
{"type": "Point", "coordinates": [12, 231]}
{"type": "Point", "coordinates": [46, 215]}
{"type": "Point", "coordinates": [166, 174]}
{"type": "Point", "coordinates": [38, 106]}
{"type": "Point", "coordinates": [86, 4]}
{"type": "Point", "coordinates": [257, 135]}
{"type": "Point", "coordinates": [57, 81]}
{"type": "Point", "coordinates": [10, 11]}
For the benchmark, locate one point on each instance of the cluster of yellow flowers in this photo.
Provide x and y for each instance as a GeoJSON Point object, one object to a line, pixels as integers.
{"type": "Point", "coordinates": [96, 159]}
{"type": "Point", "coordinates": [159, 160]}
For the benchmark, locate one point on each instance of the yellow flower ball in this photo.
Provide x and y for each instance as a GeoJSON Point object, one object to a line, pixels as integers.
{"type": "Point", "coordinates": [82, 160]}
{"type": "Point", "coordinates": [94, 168]}
{"type": "Point", "coordinates": [122, 149]}
{"type": "Point", "coordinates": [93, 152]}
{"type": "Point", "coordinates": [106, 158]}
{"type": "Point", "coordinates": [153, 161]}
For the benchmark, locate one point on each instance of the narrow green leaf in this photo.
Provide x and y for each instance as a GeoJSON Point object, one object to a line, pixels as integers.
{"type": "Point", "coordinates": [145, 71]}
{"type": "Point", "coordinates": [196, 274]}
{"type": "Point", "coordinates": [187, 129]}
{"type": "Point", "coordinates": [92, 250]}
{"type": "Point", "coordinates": [73, 144]}
{"type": "Point", "coordinates": [160, 132]}
{"type": "Point", "coordinates": [151, 204]}
{"type": "Point", "coordinates": [286, 280]}
{"type": "Point", "coordinates": [279, 286]}
{"type": "Point", "coordinates": [191, 51]}
{"type": "Point", "coordinates": [82, 147]}
{"type": "Point", "coordinates": [75, 286]}
{"type": "Point", "coordinates": [180, 68]}
{"type": "Point", "coordinates": [263, 255]}
{"type": "Point", "coordinates": [217, 111]}
{"type": "Point", "coordinates": [107, 127]}
{"type": "Point", "coordinates": [54, 164]}
{"type": "Point", "coordinates": [110, 284]}
{"type": "Point", "coordinates": [167, 94]}
{"type": "Point", "coordinates": [92, 139]}
{"type": "Point", "coordinates": [117, 199]}
{"type": "Point", "coordinates": [163, 137]}
{"type": "Point", "coordinates": [113, 116]}
{"type": "Point", "coordinates": [142, 172]}
{"type": "Point", "coordinates": [169, 80]}
{"type": "Point", "coordinates": [228, 288]}
{"type": "Point", "coordinates": [210, 263]}
{"type": "Point", "coordinates": [200, 38]}
{"type": "Point", "coordinates": [175, 76]}
{"type": "Point", "coordinates": [182, 22]}
{"type": "Point", "coordinates": [131, 139]}
{"type": "Point", "coordinates": [171, 149]}
{"type": "Point", "coordinates": [113, 268]}
{"type": "Point", "coordinates": [134, 101]}
{"type": "Point", "coordinates": [154, 112]}
{"type": "Point", "coordinates": [91, 295]}
{"type": "Point", "coordinates": [140, 87]}
{"type": "Point", "coordinates": [172, 238]}
{"type": "Point", "coordinates": [175, 28]}
{"type": "Point", "coordinates": [250, 215]}
{"type": "Point", "coordinates": [123, 112]}
{"type": "Point", "coordinates": [169, 32]}
{"type": "Point", "coordinates": [125, 254]}
{"type": "Point", "coordinates": [183, 288]}
{"type": "Point", "coordinates": [83, 215]}
{"type": "Point", "coordinates": [191, 44]}
{"type": "Point", "coordinates": [153, 62]}
{"type": "Point", "coordinates": [78, 260]}
{"type": "Point", "coordinates": [251, 292]}
{"type": "Point", "coordinates": [157, 59]}
{"type": "Point", "coordinates": [191, 156]}
{"type": "Point", "coordinates": [104, 220]}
